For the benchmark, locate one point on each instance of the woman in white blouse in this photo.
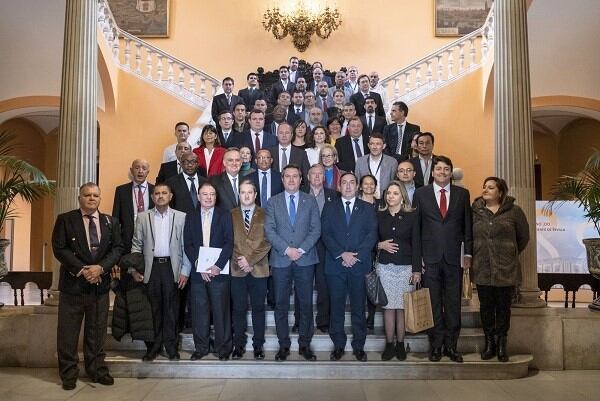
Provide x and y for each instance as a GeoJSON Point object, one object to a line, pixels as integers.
{"type": "Point", "coordinates": [314, 142]}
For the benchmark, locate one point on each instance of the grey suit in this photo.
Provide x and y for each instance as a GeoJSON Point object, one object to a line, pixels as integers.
{"type": "Point", "coordinates": [303, 234]}
{"type": "Point", "coordinates": [387, 170]}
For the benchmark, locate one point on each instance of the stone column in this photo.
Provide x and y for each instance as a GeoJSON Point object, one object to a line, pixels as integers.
{"type": "Point", "coordinates": [77, 142]}
{"type": "Point", "coordinates": [514, 156]}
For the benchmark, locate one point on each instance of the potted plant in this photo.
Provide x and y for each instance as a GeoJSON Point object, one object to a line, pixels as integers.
{"type": "Point", "coordinates": [17, 179]}
{"type": "Point", "coordinates": [584, 188]}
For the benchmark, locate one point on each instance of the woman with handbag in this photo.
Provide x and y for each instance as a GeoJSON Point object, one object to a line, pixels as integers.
{"type": "Point", "coordinates": [500, 234]}
{"type": "Point", "coordinates": [397, 266]}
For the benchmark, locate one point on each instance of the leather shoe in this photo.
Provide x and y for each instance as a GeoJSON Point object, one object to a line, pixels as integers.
{"type": "Point", "coordinates": [69, 385]}
{"type": "Point", "coordinates": [307, 354]}
{"type": "Point", "coordinates": [435, 354]}
{"type": "Point", "coordinates": [323, 329]}
{"type": "Point", "coordinates": [149, 356]}
{"type": "Point", "coordinates": [106, 380]}
{"type": "Point", "coordinates": [197, 356]}
{"type": "Point", "coordinates": [282, 354]}
{"type": "Point", "coordinates": [238, 353]}
{"type": "Point", "coordinates": [336, 354]}
{"type": "Point", "coordinates": [174, 356]}
{"type": "Point", "coordinates": [453, 355]}
{"type": "Point", "coordinates": [360, 355]}
{"type": "Point", "coordinates": [259, 353]}
{"type": "Point", "coordinates": [224, 357]}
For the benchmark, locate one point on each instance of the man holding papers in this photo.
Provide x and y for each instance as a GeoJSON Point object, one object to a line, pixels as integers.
{"type": "Point", "coordinates": [207, 228]}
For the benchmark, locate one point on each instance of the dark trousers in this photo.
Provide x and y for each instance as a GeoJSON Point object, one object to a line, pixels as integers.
{"type": "Point", "coordinates": [162, 292]}
{"type": "Point", "coordinates": [445, 285]}
{"type": "Point", "coordinates": [183, 307]}
{"type": "Point", "coordinates": [206, 298]}
{"type": "Point", "coordinates": [303, 277]}
{"type": "Point", "coordinates": [241, 289]}
{"type": "Point", "coordinates": [71, 311]}
{"type": "Point", "coordinates": [494, 308]}
{"type": "Point", "coordinates": [322, 318]}
{"type": "Point", "coordinates": [342, 286]}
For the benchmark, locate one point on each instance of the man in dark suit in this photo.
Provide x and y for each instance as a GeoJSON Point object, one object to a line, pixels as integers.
{"type": "Point", "coordinates": [323, 99]}
{"type": "Point", "coordinates": [184, 186]}
{"type": "Point", "coordinates": [297, 106]}
{"type": "Point", "coordinates": [267, 180]}
{"type": "Point", "coordinates": [317, 76]}
{"type": "Point", "coordinates": [444, 214]}
{"type": "Point", "coordinates": [294, 72]}
{"type": "Point", "coordinates": [352, 146]}
{"type": "Point", "coordinates": [226, 100]}
{"type": "Point", "coordinates": [423, 163]}
{"type": "Point", "coordinates": [292, 227]}
{"type": "Point", "coordinates": [285, 153]}
{"type": "Point", "coordinates": [228, 182]}
{"type": "Point", "coordinates": [240, 120]}
{"type": "Point", "coordinates": [359, 97]}
{"type": "Point", "coordinates": [282, 85]}
{"type": "Point", "coordinates": [228, 137]}
{"type": "Point", "coordinates": [398, 134]}
{"type": "Point", "coordinates": [349, 231]}
{"type": "Point", "coordinates": [87, 244]}
{"type": "Point", "coordinates": [257, 138]}
{"type": "Point", "coordinates": [371, 121]}
{"type": "Point", "coordinates": [172, 168]}
{"type": "Point", "coordinates": [252, 92]}
{"type": "Point", "coordinates": [210, 226]}
{"type": "Point", "coordinates": [132, 198]}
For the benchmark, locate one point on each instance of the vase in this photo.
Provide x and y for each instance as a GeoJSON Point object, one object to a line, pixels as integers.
{"type": "Point", "coordinates": [4, 243]}
{"type": "Point", "coordinates": [592, 250]}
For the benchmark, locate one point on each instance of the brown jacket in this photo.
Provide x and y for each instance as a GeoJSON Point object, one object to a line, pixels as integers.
{"type": "Point", "coordinates": [253, 244]}
{"type": "Point", "coordinates": [498, 240]}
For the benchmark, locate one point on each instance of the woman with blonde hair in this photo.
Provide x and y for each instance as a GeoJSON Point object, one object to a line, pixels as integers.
{"type": "Point", "coordinates": [328, 158]}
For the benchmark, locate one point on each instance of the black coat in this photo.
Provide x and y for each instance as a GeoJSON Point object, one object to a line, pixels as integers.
{"type": "Point", "coordinates": [132, 312]}
{"type": "Point", "coordinates": [123, 211]}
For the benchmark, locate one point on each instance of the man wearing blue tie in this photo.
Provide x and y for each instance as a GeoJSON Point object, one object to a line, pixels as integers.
{"type": "Point", "coordinates": [293, 228]}
{"type": "Point", "coordinates": [349, 228]}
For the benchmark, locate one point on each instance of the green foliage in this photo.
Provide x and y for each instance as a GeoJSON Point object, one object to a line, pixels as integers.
{"type": "Point", "coordinates": [18, 179]}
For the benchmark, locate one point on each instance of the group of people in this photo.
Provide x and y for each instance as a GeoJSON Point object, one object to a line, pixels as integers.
{"type": "Point", "coordinates": [263, 206]}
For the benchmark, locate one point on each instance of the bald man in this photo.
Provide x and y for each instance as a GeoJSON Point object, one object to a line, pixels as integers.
{"type": "Point", "coordinates": [133, 198]}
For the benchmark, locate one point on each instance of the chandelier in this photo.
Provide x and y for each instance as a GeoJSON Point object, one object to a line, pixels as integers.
{"type": "Point", "coordinates": [301, 22]}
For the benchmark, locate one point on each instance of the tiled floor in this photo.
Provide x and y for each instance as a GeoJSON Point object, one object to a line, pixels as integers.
{"type": "Point", "coordinates": [43, 384]}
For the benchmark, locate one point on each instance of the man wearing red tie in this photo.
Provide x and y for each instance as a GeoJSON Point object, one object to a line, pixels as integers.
{"type": "Point", "coordinates": [444, 213]}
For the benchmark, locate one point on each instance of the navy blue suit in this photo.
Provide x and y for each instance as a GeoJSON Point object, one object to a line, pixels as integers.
{"type": "Point", "coordinates": [213, 296]}
{"type": "Point", "coordinates": [359, 236]}
{"type": "Point", "coordinates": [276, 184]}
{"type": "Point", "coordinates": [268, 140]}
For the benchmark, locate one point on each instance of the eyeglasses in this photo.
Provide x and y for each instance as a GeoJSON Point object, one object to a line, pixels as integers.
{"type": "Point", "coordinates": [326, 156]}
{"type": "Point", "coordinates": [407, 170]}
{"type": "Point", "coordinates": [225, 118]}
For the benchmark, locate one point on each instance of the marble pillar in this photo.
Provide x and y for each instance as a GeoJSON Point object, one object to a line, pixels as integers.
{"type": "Point", "coordinates": [77, 141]}
{"type": "Point", "coordinates": [514, 156]}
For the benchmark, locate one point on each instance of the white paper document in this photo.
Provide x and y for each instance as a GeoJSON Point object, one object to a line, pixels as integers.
{"type": "Point", "coordinates": [208, 257]}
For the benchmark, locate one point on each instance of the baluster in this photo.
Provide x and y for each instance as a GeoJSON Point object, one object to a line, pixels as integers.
{"type": "Point", "coordinates": [472, 52]}
{"type": "Point", "coordinates": [115, 50]}
{"type": "Point", "coordinates": [181, 79]}
{"type": "Point", "coordinates": [406, 82]}
{"type": "Point", "coordinates": [450, 54]}
{"type": "Point", "coordinates": [138, 58]}
{"type": "Point", "coordinates": [440, 69]}
{"type": "Point", "coordinates": [429, 73]}
{"type": "Point", "coordinates": [484, 46]}
{"type": "Point", "coordinates": [418, 77]}
{"type": "Point", "coordinates": [215, 87]}
{"type": "Point", "coordinates": [202, 86]}
{"type": "Point", "coordinates": [149, 64]}
{"type": "Point", "coordinates": [396, 89]}
{"type": "Point", "coordinates": [192, 83]}
{"type": "Point", "coordinates": [127, 53]}
{"type": "Point", "coordinates": [159, 67]}
{"type": "Point", "coordinates": [461, 57]}
{"type": "Point", "coordinates": [170, 74]}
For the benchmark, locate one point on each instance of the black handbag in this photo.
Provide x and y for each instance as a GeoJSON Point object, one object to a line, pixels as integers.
{"type": "Point", "coordinates": [375, 291]}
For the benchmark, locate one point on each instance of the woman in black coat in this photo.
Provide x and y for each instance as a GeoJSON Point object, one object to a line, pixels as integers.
{"type": "Point", "coordinates": [500, 234]}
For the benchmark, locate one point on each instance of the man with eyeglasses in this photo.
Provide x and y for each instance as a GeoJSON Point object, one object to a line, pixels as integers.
{"type": "Point", "coordinates": [406, 175]}
{"type": "Point", "coordinates": [227, 136]}
{"type": "Point", "coordinates": [252, 92]}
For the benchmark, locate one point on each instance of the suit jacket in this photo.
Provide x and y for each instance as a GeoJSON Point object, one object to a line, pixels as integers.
{"type": "Point", "coordinates": [440, 239]}
{"type": "Point", "coordinates": [390, 134]}
{"type": "Point", "coordinates": [419, 179]}
{"type": "Point", "coordinates": [252, 244]}
{"type": "Point", "coordinates": [268, 141]}
{"type": "Point", "coordinates": [216, 166]}
{"type": "Point", "coordinates": [319, 101]}
{"type": "Point", "coordinates": [326, 78]}
{"type": "Point", "coordinates": [166, 171]}
{"type": "Point", "coordinates": [143, 241]}
{"type": "Point", "coordinates": [295, 156]}
{"type": "Point", "coordinates": [182, 200]}
{"type": "Point", "coordinates": [220, 104]}
{"type": "Point", "coordinates": [250, 96]}
{"type": "Point", "coordinates": [221, 236]}
{"type": "Point", "coordinates": [304, 234]}
{"type": "Point", "coordinates": [303, 115]}
{"type": "Point", "coordinates": [359, 236]}
{"type": "Point", "coordinates": [358, 100]}
{"type": "Point", "coordinates": [71, 249]}
{"type": "Point", "coordinates": [277, 88]}
{"type": "Point", "coordinates": [378, 125]}
{"type": "Point", "coordinates": [123, 210]}
{"type": "Point", "coordinates": [387, 170]}
{"type": "Point", "coordinates": [345, 149]}
{"type": "Point", "coordinates": [226, 198]}
{"type": "Point", "coordinates": [276, 184]}
{"type": "Point", "coordinates": [233, 140]}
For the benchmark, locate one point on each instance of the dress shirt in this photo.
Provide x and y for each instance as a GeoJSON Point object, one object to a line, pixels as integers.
{"type": "Point", "coordinates": [344, 128]}
{"type": "Point", "coordinates": [436, 190]}
{"type": "Point", "coordinates": [353, 86]}
{"type": "Point", "coordinates": [145, 195]}
{"type": "Point", "coordinates": [209, 214]}
{"type": "Point", "coordinates": [320, 196]}
{"type": "Point", "coordinates": [426, 171]}
{"type": "Point", "coordinates": [285, 84]}
{"type": "Point", "coordinates": [236, 187]}
{"type": "Point", "coordinates": [372, 117]}
{"type": "Point", "coordinates": [410, 189]}
{"type": "Point", "coordinates": [260, 178]}
{"type": "Point", "coordinates": [162, 232]}
{"type": "Point", "coordinates": [260, 138]}
{"type": "Point", "coordinates": [360, 145]}
{"type": "Point", "coordinates": [189, 182]}
{"type": "Point", "coordinates": [251, 214]}
{"type": "Point", "coordinates": [292, 75]}
{"type": "Point", "coordinates": [287, 208]}
{"type": "Point", "coordinates": [344, 200]}
{"type": "Point", "coordinates": [225, 136]}
{"type": "Point", "coordinates": [86, 224]}
{"type": "Point", "coordinates": [288, 151]}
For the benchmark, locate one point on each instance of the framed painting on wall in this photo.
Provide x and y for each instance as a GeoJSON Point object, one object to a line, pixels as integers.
{"type": "Point", "coordinates": [460, 17]}
{"type": "Point", "coordinates": [143, 18]}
